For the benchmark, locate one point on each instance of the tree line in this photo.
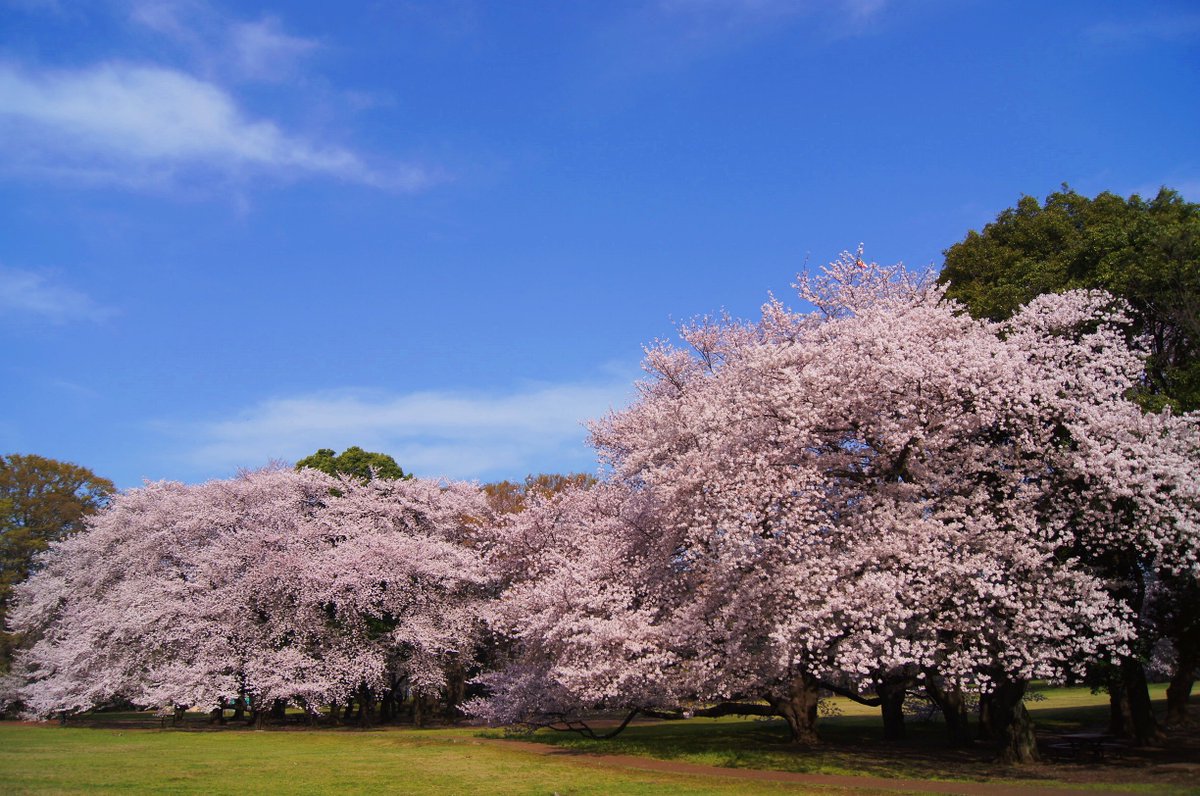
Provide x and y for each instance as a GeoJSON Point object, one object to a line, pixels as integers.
{"type": "Point", "coordinates": [947, 487]}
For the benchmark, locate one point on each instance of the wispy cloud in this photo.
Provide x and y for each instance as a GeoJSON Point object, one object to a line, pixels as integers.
{"type": "Point", "coordinates": [32, 294]}
{"type": "Point", "coordinates": [142, 122]}
{"type": "Point", "coordinates": [220, 44]}
{"type": "Point", "coordinates": [177, 19]}
{"type": "Point", "coordinates": [667, 36]}
{"type": "Point", "coordinates": [264, 51]}
{"type": "Point", "coordinates": [718, 16]}
{"type": "Point", "coordinates": [451, 434]}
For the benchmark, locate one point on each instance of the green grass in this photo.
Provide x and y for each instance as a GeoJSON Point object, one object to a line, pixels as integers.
{"type": "Point", "coordinates": [49, 759]}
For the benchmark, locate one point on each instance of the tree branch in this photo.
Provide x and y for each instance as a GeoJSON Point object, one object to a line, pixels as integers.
{"type": "Point", "coordinates": [853, 696]}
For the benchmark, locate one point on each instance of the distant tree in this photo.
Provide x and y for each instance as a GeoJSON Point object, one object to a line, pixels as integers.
{"type": "Point", "coordinates": [276, 587]}
{"type": "Point", "coordinates": [41, 500]}
{"type": "Point", "coordinates": [356, 462]}
{"type": "Point", "coordinates": [1146, 252]}
{"type": "Point", "coordinates": [510, 497]}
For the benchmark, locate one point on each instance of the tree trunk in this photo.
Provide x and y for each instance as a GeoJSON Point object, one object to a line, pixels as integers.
{"type": "Point", "coordinates": [1008, 723]}
{"type": "Point", "coordinates": [1120, 718]}
{"type": "Point", "coordinates": [1179, 691]}
{"type": "Point", "coordinates": [310, 714]}
{"type": "Point", "coordinates": [953, 705]}
{"type": "Point", "coordinates": [217, 716]}
{"type": "Point", "coordinates": [891, 693]}
{"type": "Point", "coordinates": [386, 703]}
{"type": "Point", "coordinates": [1144, 728]}
{"type": "Point", "coordinates": [418, 708]}
{"type": "Point", "coordinates": [366, 706]}
{"type": "Point", "coordinates": [239, 707]}
{"type": "Point", "coordinates": [456, 688]}
{"type": "Point", "coordinates": [799, 709]}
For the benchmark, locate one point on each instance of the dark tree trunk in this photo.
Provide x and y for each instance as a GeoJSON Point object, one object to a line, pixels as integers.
{"type": "Point", "coordinates": [799, 708]}
{"type": "Point", "coordinates": [366, 706]}
{"type": "Point", "coordinates": [279, 711]}
{"type": "Point", "coordinates": [891, 693]}
{"type": "Point", "coordinates": [456, 688]}
{"type": "Point", "coordinates": [1007, 723]}
{"type": "Point", "coordinates": [310, 714]}
{"type": "Point", "coordinates": [953, 705]}
{"type": "Point", "coordinates": [1179, 616]}
{"type": "Point", "coordinates": [239, 708]}
{"type": "Point", "coordinates": [418, 708]}
{"type": "Point", "coordinates": [386, 703]}
{"type": "Point", "coordinates": [1144, 728]}
{"type": "Point", "coordinates": [1120, 717]}
{"type": "Point", "coordinates": [1179, 691]}
{"type": "Point", "coordinates": [217, 716]}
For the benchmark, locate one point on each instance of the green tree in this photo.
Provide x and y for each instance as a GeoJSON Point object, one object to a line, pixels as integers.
{"type": "Point", "coordinates": [1146, 252]}
{"type": "Point", "coordinates": [41, 500]}
{"type": "Point", "coordinates": [354, 461]}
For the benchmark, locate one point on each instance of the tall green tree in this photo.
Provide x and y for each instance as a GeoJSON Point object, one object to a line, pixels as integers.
{"type": "Point", "coordinates": [1146, 252]}
{"type": "Point", "coordinates": [354, 461]}
{"type": "Point", "coordinates": [41, 500]}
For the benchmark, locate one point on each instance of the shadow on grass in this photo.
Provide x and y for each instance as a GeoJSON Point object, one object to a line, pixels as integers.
{"type": "Point", "coordinates": [854, 744]}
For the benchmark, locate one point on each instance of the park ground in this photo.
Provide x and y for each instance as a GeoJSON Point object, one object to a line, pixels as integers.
{"type": "Point", "coordinates": [130, 753]}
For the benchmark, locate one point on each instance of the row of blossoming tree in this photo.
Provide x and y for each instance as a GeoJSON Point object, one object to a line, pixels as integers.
{"type": "Point", "coordinates": [878, 496]}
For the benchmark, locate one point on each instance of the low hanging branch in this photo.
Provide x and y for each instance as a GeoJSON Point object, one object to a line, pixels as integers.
{"type": "Point", "coordinates": [853, 696]}
{"type": "Point", "coordinates": [561, 723]}
{"type": "Point", "coordinates": [712, 712]}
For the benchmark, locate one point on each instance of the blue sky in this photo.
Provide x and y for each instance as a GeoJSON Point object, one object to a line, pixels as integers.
{"type": "Point", "coordinates": [232, 233]}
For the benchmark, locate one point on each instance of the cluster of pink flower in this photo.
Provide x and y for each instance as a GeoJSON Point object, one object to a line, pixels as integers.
{"type": "Point", "coordinates": [276, 585]}
{"type": "Point", "coordinates": [879, 493]}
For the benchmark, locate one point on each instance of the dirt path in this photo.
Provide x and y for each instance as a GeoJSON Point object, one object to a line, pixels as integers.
{"type": "Point", "coordinates": [824, 780]}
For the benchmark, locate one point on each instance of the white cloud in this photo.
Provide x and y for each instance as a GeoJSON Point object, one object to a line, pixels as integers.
{"type": "Point", "coordinates": [175, 18]}
{"type": "Point", "coordinates": [218, 43]}
{"type": "Point", "coordinates": [115, 117]}
{"type": "Point", "coordinates": [451, 434]}
{"type": "Point", "coordinates": [32, 294]}
{"type": "Point", "coordinates": [263, 51]}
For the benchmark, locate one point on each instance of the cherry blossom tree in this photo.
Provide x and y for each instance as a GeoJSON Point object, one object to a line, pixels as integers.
{"type": "Point", "coordinates": [277, 586]}
{"type": "Point", "coordinates": [859, 497]}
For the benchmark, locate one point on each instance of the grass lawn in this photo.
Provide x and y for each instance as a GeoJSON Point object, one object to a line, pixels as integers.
{"type": "Point", "coordinates": [128, 758]}
{"type": "Point", "coordinates": [51, 759]}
